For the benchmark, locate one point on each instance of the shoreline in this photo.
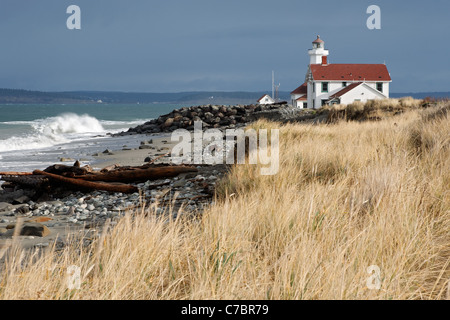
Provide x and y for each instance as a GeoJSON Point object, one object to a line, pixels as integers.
{"type": "Point", "coordinates": [83, 213]}
{"type": "Point", "coordinates": [186, 194]}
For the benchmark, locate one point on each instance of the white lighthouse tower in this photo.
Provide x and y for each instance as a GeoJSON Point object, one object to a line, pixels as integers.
{"type": "Point", "coordinates": [318, 54]}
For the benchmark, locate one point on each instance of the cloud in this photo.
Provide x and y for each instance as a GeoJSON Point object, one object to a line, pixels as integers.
{"type": "Point", "coordinates": [179, 45]}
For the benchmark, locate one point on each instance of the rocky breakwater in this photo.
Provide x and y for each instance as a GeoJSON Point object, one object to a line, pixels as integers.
{"type": "Point", "coordinates": [211, 116]}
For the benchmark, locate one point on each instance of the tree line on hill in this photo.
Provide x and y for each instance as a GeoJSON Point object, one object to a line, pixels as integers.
{"type": "Point", "coordinates": [18, 96]}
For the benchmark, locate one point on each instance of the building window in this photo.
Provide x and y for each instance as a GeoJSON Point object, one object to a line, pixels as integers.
{"type": "Point", "coordinates": [344, 84]}
{"type": "Point", "coordinates": [380, 86]}
{"type": "Point", "coordinates": [305, 105]}
{"type": "Point", "coordinates": [324, 102]}
{"type": "Point", "coordinates": [324, 86]}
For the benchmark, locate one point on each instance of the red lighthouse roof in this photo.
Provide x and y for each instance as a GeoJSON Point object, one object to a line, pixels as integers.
{"type": "Point", "coordinates": [318, 40]}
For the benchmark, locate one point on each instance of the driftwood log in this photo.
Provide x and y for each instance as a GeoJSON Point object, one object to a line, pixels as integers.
{"type": "Point", "coordinates": [138, 174]}
{"type": "Point", "coordinates": [29, 180]}
{"type": "Point", "coordinates": [16, 173]}
{"type": "Point", "coordinates": [124, 188]}
{"type": "Point", "coordinates": [110, 179]}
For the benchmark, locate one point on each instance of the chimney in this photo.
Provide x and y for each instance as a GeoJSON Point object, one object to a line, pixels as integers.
{"type": "Point", "coordinates": [324, 60]}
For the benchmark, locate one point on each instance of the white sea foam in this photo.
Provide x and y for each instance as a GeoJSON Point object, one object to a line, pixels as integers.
{"type": "Point", "coordinates": [52, 131]}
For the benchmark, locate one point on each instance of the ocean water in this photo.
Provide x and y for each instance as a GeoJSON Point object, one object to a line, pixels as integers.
{"type": "Point", "coordinates": [35, 136]}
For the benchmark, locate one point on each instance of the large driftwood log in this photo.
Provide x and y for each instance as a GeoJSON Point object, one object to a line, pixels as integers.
{"type": "Point", "coordinates": [35, 181]}
{"type": "Point", "coordinates": [138, 175]}
{"type": "Point", "coordinates": [88, 184]}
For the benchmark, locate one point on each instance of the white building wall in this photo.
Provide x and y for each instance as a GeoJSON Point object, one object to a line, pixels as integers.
{"type": "Point", "coordinates": [295, 103]}
{"type": "Point", "coordinates": [310, 94]}
{"type": "Point", "coordinates": [385, 86]}
{"type": "Point", "coordinates": [386, 89]}
{"type": "Point", "coordinates": [335, 86]}
{"type": "Point", "coordinates": [266, 100]}
{"type": "Point", "coordinates": [318, 95]}
{"type": "Point", "coordinates": [315, 55]}
{"type": "Point", "coordinates": [361, 93]}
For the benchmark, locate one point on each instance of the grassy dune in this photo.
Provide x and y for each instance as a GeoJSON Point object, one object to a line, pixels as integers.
{"type": "Point", "coordinates": [348, 195]}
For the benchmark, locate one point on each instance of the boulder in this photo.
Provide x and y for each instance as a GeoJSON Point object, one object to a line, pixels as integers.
{"type": "Point", "coordinates": [168, 123]}
{"type": "Point", "coordinates": [208, 115]}
{"type": "Point", "coordinates": [22, 210]}
{"type": "Point", "coordinates": [29, 229]}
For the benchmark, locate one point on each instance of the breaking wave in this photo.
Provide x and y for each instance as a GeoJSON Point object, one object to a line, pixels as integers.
{"type": "Point", "coordinates": [52, 131]}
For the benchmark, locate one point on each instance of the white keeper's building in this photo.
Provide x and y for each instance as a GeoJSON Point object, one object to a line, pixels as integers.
{"type": "Point", "coordinates": [266, 99]}
{"type": "Point", "coordinates": [339, 83]}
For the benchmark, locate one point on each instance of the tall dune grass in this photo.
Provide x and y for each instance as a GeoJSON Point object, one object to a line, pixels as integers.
{"type": "Point", "coordinates": [372, 109]}
{"type": "Point", "coordinates": [347, 196]}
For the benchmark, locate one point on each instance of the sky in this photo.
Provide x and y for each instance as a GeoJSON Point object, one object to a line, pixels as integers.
{"type": "Point", "coordinates": [216, 45]}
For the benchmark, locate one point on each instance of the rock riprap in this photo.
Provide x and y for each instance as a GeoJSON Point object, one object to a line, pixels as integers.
{"type": "Point", "coordinates": [211, 116]}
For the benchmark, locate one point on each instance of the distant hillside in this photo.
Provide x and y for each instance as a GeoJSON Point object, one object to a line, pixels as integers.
{"type": "Point", "coordinates": [26, 96]}
{"type": "Point", "coordinates": [201, 97]}
{"type": "Point", "coordinates": [193, 98]}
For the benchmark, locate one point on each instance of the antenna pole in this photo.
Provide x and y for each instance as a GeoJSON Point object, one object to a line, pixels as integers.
{"type": "Point", "coordinates": [273, 85]}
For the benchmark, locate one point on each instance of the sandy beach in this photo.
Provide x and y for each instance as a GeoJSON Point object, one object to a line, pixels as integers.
{"type": "Point", "coordinates": [158, 146]}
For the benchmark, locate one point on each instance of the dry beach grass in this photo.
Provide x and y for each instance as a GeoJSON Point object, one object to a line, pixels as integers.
{"type": "Point", "coordinates": [348, 195]}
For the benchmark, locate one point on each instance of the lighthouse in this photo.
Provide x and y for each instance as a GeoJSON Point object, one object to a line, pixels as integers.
{"type": "Point", "coordinates": [318, 54]}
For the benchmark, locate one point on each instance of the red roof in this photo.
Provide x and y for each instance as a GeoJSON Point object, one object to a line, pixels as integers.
{"type": "Point", "coordinates": [303, 89]}
{"type": "Point", "coordinates": [302, 98]}
{"type": "Point", "coordinates": [345, 90]}
{"type": "Point", "coordinates": [318, 40]}
{"type": "Point", "coordinates": [350, 72]}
